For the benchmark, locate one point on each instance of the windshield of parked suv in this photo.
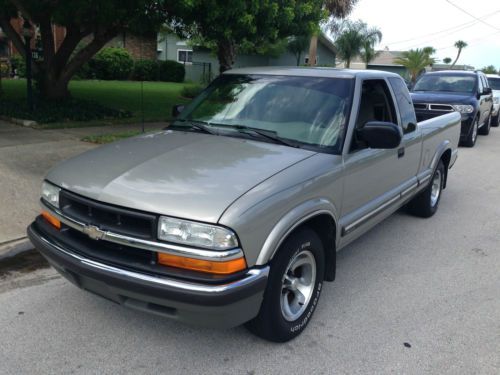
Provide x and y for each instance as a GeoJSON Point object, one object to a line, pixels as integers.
{"type": "Point", "coordinates": [494, 83]}
{"type": "Point", "coordinates": [307, 112]}
{"type": "Point", "coordinates": [446, 82]}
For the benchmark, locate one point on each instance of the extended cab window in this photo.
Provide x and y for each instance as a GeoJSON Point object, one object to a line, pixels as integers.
{"type": "Point", "coordinates": [405, 104]}
{"type": "Point", "coordinates": [376, 105]}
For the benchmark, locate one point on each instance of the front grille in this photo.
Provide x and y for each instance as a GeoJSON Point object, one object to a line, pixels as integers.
{"type": "Point", "coordinates": [107, 217]}
{"type": "Point", "coordinates": [441, 107]}
{"type": "Point", "coordinates": [433, 107]}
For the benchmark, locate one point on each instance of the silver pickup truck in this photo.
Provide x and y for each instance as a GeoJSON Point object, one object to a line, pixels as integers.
{"type": "Point", "coordinates": [234, 213]}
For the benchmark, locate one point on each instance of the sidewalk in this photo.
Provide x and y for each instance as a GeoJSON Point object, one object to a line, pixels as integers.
{"type": "Point", "coordinates": [25, 157]}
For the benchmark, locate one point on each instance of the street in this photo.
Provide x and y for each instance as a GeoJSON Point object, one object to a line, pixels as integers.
{"type": "Point", "coordinates": [412, 296]}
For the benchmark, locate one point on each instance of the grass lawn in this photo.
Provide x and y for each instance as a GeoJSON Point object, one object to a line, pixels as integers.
{"type": "Point", "coordinates": [108, 138]}
{"type": "Point", "coordinates": [159, 97]}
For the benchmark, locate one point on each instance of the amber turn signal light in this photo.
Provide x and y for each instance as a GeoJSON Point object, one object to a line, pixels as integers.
{"type": "Point", "coordinates": [51, 219]}
{"type": "Point", "coordinates": [207, 266]}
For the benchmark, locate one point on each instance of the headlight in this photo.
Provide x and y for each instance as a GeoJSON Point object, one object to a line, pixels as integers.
{"type": "Point", "coordinates": [463, 108]}
{"type": "Point", "coordinates": [496, 100]}
{"type": "Point", "coordinates": [50, 194]}
{"type": "Point", "coordinates": [191, 233]}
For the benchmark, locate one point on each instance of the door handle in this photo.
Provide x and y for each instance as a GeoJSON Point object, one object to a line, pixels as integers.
{"type": "Point", "coordinates": [401, 152]}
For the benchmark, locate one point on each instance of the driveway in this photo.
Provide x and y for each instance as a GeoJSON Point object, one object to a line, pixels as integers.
{"type": "Point", "coordinates": [25, 157]}
{"type": "Point", "coordinates": [412, 296]}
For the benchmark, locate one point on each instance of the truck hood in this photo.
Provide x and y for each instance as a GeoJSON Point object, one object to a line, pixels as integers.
{"type": "Point", "coordinates": [182, 174]}
{"type": "Point", "coordinates": [441, 97]}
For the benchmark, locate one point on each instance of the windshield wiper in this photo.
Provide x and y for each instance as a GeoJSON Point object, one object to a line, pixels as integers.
{"type": "Point", "coordinates": [198, 125]}
{"type": "Point", "coordinates": [268, 134]}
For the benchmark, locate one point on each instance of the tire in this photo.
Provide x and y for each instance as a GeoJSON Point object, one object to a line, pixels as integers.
{"type": "Point", "coordinates": [470, 141]}
{"type": "Point", "coordinates": [299, 263]}
{"type": "Point", "coordinates": [427, 202]}
{"type": "Point", "coordinates": [485, 129]}
{"type": "Point", "coordinates": [495, 121]}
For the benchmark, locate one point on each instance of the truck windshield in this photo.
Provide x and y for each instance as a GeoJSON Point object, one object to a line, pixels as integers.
{"type": "Point", "coordinates": [494, 83]}
{"type": "Point", "coordinates": [306, 112]}
{"type": "Point", "coordinates": [446, 82]}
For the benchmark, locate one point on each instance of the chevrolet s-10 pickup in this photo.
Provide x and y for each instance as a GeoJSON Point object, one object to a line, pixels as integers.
{"type": "Point", "coordinates": [234, 213]}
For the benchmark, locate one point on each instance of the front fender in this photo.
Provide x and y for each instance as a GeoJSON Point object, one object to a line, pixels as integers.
{"type": "Point", "coordinates": [291, 220]}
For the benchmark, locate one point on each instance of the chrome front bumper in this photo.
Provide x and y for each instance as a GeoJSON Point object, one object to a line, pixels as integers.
{"type": "Point", "coordinates": [219, 305]}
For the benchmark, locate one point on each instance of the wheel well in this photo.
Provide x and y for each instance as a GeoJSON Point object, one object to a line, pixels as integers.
{"type": "Point", "coordinates": [446, 158]}
{"type": "Point", "coordinates": [325, 228]}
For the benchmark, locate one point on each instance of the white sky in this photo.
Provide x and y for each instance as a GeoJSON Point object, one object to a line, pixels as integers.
{"type": "Point", "coordinates": [409, 24]}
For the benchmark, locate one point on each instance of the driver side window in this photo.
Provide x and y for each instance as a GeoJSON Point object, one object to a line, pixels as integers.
{"type": "Point", "coordinates": [376, 105]}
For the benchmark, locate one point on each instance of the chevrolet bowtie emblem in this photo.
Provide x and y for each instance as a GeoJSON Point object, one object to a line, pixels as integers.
{"type": "Point", "coordinates": [93, 232]}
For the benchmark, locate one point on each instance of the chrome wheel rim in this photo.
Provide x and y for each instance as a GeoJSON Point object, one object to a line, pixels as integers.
{"type": "Point", "coordinates": [436, 187]}
{"type": "Point", "coordinates": [297, 285]}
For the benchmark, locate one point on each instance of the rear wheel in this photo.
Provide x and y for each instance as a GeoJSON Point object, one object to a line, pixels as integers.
{"type": "Point", "coordinates": [485, 129]}
{"type": "Point", "coordinates": [470, 141]}
{"type": "Point", "coordinates": [293, 289]}
{"type": "Point", "coordinates": [426, 203]}
{"type": "Point", "coordinates": [495, 121]}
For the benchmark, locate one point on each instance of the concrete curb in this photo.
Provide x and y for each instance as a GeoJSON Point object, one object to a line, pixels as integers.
{"type": "Point", "coordinates": [19, 121]}
{"type": "Point", "coordinates": [15, 247]}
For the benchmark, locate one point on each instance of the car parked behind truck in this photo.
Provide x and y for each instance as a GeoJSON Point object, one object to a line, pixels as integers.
{"type": "Point", "coordinates": [466, 92]}
{"type": "Point", "coordinates": [494, 83]}
{"type": "Point", "coordinates": [234, 214]}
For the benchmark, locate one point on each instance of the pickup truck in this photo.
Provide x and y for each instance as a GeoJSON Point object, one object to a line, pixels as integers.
{"type": "Point", "coordinates": [466, 92]}
{"type": "Point", "coordinates": [234, 213]}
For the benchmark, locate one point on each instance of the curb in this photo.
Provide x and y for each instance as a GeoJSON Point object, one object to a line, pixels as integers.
{"type": "Point", "coordinates": [15, 247]}
{"type": "Point", "coordinates": [19, 121]}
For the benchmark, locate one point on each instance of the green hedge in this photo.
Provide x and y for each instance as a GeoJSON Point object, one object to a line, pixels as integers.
{"type": "Point", "coordinates": [18, 63]}
{"type": "Point", "coordinates": [172, 71]}
{"type": "Point", "coordinates": [146, 70]}
{"type": "Point", "coordinates": [112, 63]}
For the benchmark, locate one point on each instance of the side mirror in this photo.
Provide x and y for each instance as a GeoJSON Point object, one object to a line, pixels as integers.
{"type": "Point", "coordinates": [378, 134]}
{"type": "Point", "coordinates": [177, 109]}
{"type": "Point", "coordinates": [487, 91]}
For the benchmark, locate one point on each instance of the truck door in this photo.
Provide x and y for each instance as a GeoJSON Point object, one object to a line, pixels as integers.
{"type": "Point", "coordinates": [374, 179]}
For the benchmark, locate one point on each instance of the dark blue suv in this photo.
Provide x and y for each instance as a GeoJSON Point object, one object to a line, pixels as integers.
{"type": "Point", "coordinates": [467, 92]}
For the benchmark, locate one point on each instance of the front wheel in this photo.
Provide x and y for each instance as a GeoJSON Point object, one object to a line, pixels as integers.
{"type": "Point", "coordinates": [470, 141]}
{"type": "Point", "coordinates": [426, 203]}
{"type": "Point", "coordinates": [293, 289]}
{"type": "Point", "coordinates": [485, 129]}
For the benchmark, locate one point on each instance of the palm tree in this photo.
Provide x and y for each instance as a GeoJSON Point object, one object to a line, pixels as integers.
{"type": "Point", "coordinates": [415, 60]}
{"type": "Point", "coordinates": [354, 39]}
{"type": "Point", "coordinates": [368, 53]}
{"type": "Point", "coordinates": [337, 9]}
{"type": "Point", "coordinates": [460, 44]}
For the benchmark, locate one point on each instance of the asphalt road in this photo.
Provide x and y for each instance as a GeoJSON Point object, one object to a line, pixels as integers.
{"type": "Point", "coordinates": [433, 284]}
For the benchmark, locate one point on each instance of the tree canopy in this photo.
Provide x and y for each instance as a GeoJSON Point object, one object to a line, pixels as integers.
{"type": "Point", "coordinates": [89, 24]}
{"type": "Point", "coordinates": [226, 28]}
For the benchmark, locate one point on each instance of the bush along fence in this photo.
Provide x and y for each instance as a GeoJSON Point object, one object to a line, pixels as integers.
{"type": "Point", "coordinates": [113, 63]}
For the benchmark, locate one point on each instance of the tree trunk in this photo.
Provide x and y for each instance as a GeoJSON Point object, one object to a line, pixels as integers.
{"type": "Point", "coordinates": [298, 58]}
{"type": "Point", "coordinates": [226, 54]}
{"type": "Point", "coordinates": [313, 48]}
{"type": "Point", "coordinates": [458, 56]}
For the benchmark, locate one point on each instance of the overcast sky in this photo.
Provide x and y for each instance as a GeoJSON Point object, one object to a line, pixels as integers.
{"type": "Point", "coordinates": [409, 24]}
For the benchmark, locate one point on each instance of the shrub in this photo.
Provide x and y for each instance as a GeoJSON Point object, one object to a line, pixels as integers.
{"type": "Point", "coordinates": [146, 70]}
{"type": "Point", "coordinates": [112, 63]}
{"type": "Point", "coordinates": [59, 111]}
{"type": "Point", "coordinates": [4, 69]}
{"type": "Point", "coordinates": [191, 92]}
{"type": "Point", "coordinates": [17, 63]}
{"type": "Point", "coordinates": [171, 71]}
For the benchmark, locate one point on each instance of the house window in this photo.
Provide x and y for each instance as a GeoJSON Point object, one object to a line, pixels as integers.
{"type": "Point", "coordinates": [306, 60]}
{"type": "Point", "coordinates": [184, 56]}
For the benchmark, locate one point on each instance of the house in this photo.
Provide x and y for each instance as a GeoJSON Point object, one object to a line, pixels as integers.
{"type": "Point", "coordinates": [202, 64]}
